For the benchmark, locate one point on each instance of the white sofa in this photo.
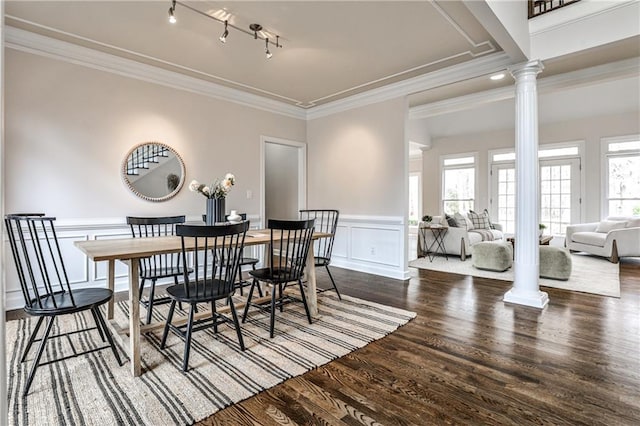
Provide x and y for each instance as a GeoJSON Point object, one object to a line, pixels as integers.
{"type": "Point", "coordinates": [457, 240]}
{"type": "Point", "coordinates": [614, 237]}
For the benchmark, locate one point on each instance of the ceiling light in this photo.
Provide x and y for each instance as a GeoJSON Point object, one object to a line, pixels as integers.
{"type": "Point", "coordinates": [172, 9]}
{"type": "Point", "coordinates": [496, 77]}
{"type": "Point", "coordinates": [257, 31]}
{"type": "Point", "coordinates": [223, 37]}
{"type": "Point", "coordinates": [269, 54]}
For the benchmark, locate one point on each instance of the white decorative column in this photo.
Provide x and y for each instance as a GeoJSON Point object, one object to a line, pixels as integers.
{"type": "Point", "coordinates": [526, 290]}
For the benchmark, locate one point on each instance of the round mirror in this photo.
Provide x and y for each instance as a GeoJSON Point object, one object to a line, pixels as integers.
{"type": "Point", "coordinates": [153, 171]}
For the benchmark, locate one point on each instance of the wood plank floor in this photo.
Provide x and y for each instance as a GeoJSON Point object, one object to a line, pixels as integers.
{"type": "Point", "coordinates": [469, 358]}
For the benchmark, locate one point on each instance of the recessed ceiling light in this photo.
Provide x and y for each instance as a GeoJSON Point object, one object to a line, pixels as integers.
{"type": "Point", "coordinates": [497, 76]}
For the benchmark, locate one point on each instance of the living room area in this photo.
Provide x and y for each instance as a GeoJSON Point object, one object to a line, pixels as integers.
{"type": "Point", "coordinates": [463, 159]}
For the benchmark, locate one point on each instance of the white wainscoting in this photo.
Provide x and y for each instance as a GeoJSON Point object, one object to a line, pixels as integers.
{"type": "Point", "coordinates": [373, 244]}
{"type": "Point", "coordinates": [81, 271]}
{"type": "Point", "coordinates": [363, 243]}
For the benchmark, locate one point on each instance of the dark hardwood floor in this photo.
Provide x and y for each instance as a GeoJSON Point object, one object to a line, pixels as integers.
{"type": "Point", "coordinates": [469, 358]}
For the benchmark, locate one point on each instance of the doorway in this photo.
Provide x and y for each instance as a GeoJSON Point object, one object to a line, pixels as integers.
{"type": "Point", "coordinates": [284, 171]}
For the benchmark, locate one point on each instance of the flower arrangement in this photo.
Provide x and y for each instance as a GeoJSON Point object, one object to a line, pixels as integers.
{"type": "Point", "coordinates": [219, 189]}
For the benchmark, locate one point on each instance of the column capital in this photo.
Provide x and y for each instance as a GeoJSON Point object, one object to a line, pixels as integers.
{"type": "Point", "coordinates": [526, 68]}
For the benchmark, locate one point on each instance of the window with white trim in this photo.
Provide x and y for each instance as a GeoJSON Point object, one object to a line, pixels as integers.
{"type": "Point", "coordinates": [458, 183]}
{"type": "Point", "coordinates": [560, 187]}
{"type": "Point", "coordinates": [622, 175]}
{"type": "Point", "coordinates": [415, 198]}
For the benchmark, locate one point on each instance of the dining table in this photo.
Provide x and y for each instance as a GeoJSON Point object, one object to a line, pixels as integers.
{"type": "Point", "coordinates": [131, 250]}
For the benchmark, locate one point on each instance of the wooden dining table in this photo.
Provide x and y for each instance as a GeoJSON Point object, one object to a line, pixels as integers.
{"type": "Point", "coordinates": [131, 250]}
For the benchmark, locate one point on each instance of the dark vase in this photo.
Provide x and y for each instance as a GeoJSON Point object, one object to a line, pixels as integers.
{"type": "Point", "coordinates": [215, 211]}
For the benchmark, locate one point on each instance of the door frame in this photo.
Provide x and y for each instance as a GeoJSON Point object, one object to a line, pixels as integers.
{"type": "Point", "coordinates": [302, 172]}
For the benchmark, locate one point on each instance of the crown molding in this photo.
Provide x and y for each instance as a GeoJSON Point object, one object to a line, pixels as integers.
{"type": "Point", "coordinates": [612, 71]}
{"type": "Point", "coordinates": [37, 44]}
{"type": "Point", "coordinates": [480, 66]}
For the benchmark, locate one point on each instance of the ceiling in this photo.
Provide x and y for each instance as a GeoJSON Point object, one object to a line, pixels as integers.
{"type": "Point", "coordinates": [331, 50]}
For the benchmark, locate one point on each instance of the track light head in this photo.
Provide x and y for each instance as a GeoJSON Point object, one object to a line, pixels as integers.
{"type": "Point", "coordinates": [225, 34]}
{"type": "Point", "coordinates": [255, 28]}
{"type": "Point", "coordinates": [172, 9]}
{"type": "Point", "coordinates": [266, 51]}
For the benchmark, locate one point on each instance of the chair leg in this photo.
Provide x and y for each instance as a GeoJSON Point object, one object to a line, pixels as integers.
{"type": "Point", "coordinates": [187, 340]}
{"type": "Point", "coordinates": [95, 319]}
{"type": "Point", "coordinates": [236, 323]}
{"type": "Point", "coordinates": [248, 302]}
{"type": "Point", "coordinates": [107, 333]}
{"type": "Point", "coordinates": [272, 319]}
{"type": "Point", "coordinates": [142, 281]}
{"type": "Point", "coordinates": [280, 292]}
{"type": "Point", "coordinates": [175, 281]}
{"type": "Point", "coordinates": [150, 304]}
{"type": "Point", "coordinates": [259, 286]}
{"type": "Point", "coordinates": [36, 361]}
{"type": "Point", "coordinates": [214, 315]}
{"type": "Point", "coordinates": [31, 339]}
{"type": "Point", "coordinates": [333, 282]}
{"type": "Point", "coordinates": [241, 280]}
{"type": "Point", "coordinates": [304, 301]}
{"type": "Point", "coordinates": [166, 326]}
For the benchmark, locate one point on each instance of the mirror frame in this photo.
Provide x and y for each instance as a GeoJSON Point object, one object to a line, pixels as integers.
{"type": "Point", "coordinates": [123, 173]}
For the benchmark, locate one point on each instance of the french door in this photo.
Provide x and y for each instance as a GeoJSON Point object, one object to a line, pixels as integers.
{"type": "Point", "coordinates": [559, 194]}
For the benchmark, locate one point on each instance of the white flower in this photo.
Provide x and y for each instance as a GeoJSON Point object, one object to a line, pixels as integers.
{"type": "Point", "coordinates": [219, 189]}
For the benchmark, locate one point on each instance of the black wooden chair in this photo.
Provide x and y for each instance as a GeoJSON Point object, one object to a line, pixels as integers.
{"type": "Point", "coordinates": [160, 265]}
{"type": "Point", "coordinates": [290, 241]}
{"type": "Point", "coordinates": [45, 286]}
{"type": "Point", "coordinates": [244, 261]}
{"type": "Point", "coordinates": [326, 221]}
{"type": "Point", "coordinates": [213, 279]}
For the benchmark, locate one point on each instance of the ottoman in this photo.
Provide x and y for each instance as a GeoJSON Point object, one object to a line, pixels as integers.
{"type": "Point", "coordinates": [555, 263]}
{"type": "Point", "coordinates": [492, 256]}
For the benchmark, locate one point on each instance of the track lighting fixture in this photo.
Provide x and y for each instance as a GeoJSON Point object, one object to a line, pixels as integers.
{"type": "Point", "coordinates": [269, 54]}
{"type": "Point", "coordinates": [255, 30]}
{"type": "Point", "coordinates": [172, 9]}
{"type": "Point", "coordinates": [223, 37]}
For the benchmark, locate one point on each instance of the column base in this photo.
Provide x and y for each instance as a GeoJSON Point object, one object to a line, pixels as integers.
{"type": "Point", "coordinates": [538, 299]}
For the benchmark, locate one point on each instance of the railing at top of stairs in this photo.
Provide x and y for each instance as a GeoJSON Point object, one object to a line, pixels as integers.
{"type": "Point", "coordinates": [540, 7]}
{"type": "Point", "coordinates": [145, 155]}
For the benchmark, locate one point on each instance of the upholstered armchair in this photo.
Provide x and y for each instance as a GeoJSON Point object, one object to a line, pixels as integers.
{"type": "Point", "coordinates": [613, 238]}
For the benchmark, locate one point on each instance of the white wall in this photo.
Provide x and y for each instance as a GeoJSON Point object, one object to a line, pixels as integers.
{"type": "Point", "coordinates": [69, 128]}
{"type": "Point", "coordinates": [358, 164]}
{"type": "Point", "coordinates": [591, 130]}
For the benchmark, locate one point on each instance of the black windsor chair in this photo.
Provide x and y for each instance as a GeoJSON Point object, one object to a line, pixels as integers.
{"type": "Point", "coordinates": [45, 286]}
{"type": "Point", "coordinates": [158, 266]}
{"type": "Point", "coordinates": [290, 241]}
{"type": "Point", "coordinates": [213, 279]}
{"type": "Point", "coordinates": [326, 221]}
{"type": "Point", "coordinates": [244, 261]}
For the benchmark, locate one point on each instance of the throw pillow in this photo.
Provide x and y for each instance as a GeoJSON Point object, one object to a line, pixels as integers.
{"type": "Point", "coordinates": [451, 220]}
{"type": "Point", "coordinates": [491, 225]}
{"type": "Point", "coordinates": [479, 220]}
{"type": "Point", "coordinates": [462, 221]}
{"type": "Point", "coordinates": [609, 225]}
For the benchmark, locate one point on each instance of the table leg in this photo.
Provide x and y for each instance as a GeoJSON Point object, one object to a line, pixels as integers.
{"type": "Point", "coordinates": [134, 318]}
{"type": "Point", "coordinates": [312, 297]}
{"type": "Point", "coordinates": [111, 268]}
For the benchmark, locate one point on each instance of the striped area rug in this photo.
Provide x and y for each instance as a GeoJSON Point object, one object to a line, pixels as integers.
{"type": "Point", "coordinates": [93, 390]}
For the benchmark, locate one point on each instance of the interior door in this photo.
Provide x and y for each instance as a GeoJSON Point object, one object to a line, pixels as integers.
{"type": "Point", "coordinates": [284, 179]}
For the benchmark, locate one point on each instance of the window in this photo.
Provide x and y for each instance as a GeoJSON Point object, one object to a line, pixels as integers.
{"type": "Point", "coordinates": [560, 187]}
{"type": "Point", "coordinates": [458, 183]}
{"type": "Point", "coordinates": [415, 198]}
{"type": "Point", "coordinates": [622, 175]}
